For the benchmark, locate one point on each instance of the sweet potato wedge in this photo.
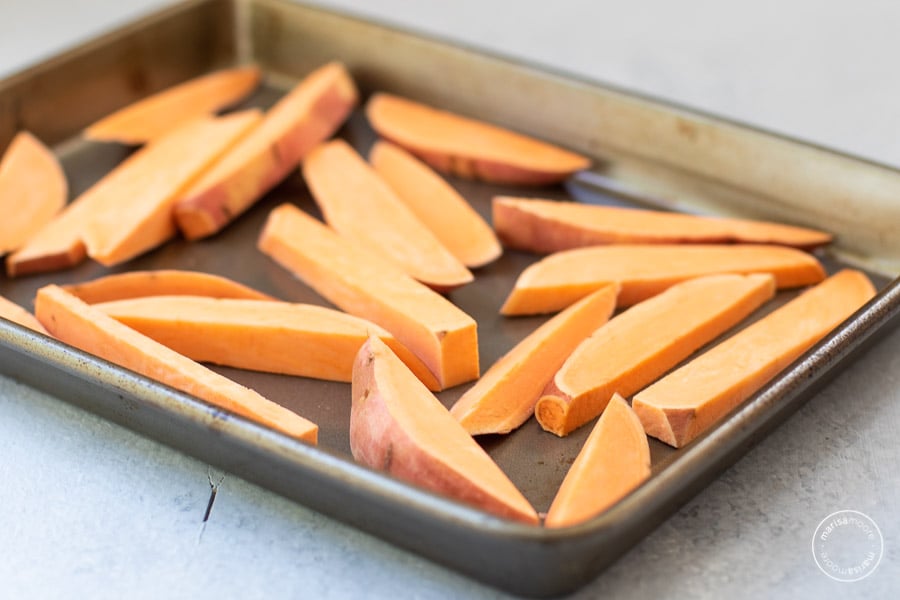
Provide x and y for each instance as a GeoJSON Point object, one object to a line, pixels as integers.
{"type": "Point", "coordinates": [614, 460]}
{"type": "Point", "coordinates": [160, 113]}
{"type": "Point", "coordinates": [440, 207]}
{"type": "Point", "coordinates": [33, 189]}
{"type": "Point", "coordinates": [684, 403]}
{"type": "Point", "coordinates": [307, 115]}
{"type": "Point", "coordinates": [164, 282]}
{"type": "Point", "coordinates": [640, 344]}
{"type": "Point", "coordinates": [643, 271]}
{"type": "Point", "coordinates": [359, 205]}
{"type": "Point", "coordinates": [129, 210]}
{"type": "Point", "coordinates": [78, 324]}
{"type": "Point", "coordinates": [545, 226]}
{"type": "Point", "coordinates": [505, 396]}
{"type": "Point", "coordinates": [399, 427]}
{"type": "Point", "coordinates": [260, 335]}
{"type": "Point", "coordinates": [13, 312]}
{"type": "Point", "coordinates": [469, 148]}
{"type": "Point", "coordinates": [142, 218]}
{"type": "Point", "coordinates": [355, 280]}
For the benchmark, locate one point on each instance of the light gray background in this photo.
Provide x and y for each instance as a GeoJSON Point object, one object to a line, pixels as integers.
{"type": "Point", "coordinates": [88, 509]}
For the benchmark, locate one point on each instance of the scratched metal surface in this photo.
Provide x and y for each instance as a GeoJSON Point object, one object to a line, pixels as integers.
{"type": "Point", "coordinates": [494, 551]}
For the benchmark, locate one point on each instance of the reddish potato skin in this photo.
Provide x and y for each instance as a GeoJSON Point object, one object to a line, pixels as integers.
{"type": "Point", "coordinates": [483, 170]}
{"type": "Point", "coordinates": [522, 227]}
{"type": "Point", "coordinates": [207, 212]}
{"type": "Point", "coordinates": [379, 442]}
{"type": "Point", "coordinates": [73, 255]}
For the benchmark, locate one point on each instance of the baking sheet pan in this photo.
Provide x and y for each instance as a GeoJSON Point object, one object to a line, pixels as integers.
{"type": "Point", "coordinates": [56, 99]}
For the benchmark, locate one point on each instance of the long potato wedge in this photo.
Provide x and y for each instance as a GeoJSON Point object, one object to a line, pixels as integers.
{"type": "Point", "coordinates": [357, 203]}
{"type": "Point", "coordinates": [154, 116]}
{"type": "Point", "coordinates": [261, 335]}
{"type": "Point", "coordinates": [355, 280]}
{"type": "Point", "coordinates": [504, 397]}
{"type": "Point", "coordinates": [645, 270]}
{"type": "Point", "coordinates": [545, 226]}
{"type": "Point", "coordinates": [684, 403]}
{"type": "Point", "coordinates": [163, 282]}
{"type": "Point", "coordinates": [307, 115]}
{"type": "Point", "coordinates": [78, 324]}
{"type": "Point", "coordinates": [640, 344]}
{"type": "Point", "coordinates": [141, 219]}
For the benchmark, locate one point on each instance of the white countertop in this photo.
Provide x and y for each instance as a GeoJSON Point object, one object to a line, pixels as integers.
{"type": "Point", "coordinates": [88, 509]}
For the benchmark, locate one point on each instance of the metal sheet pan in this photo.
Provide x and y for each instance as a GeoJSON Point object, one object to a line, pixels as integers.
{"type": "Point", "coordinates": [648, 152]}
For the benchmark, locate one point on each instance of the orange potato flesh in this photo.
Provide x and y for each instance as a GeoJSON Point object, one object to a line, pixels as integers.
{"type": "Point", "coordinates": [504, 398]}
{"type": "Point", "coordinates": [261, 335]}
{"type": "Point", "coordinates": [642, 343]}
{"type": "Point", "coordinates": [683, 404]}
{"type": "Point", "coordinates": [469, 148]}
{"type": "Point", "coordinates": [33, 190]}
{"type": "Point", "coordinates": [150, 178]}
{"type": "Point", "coordinates": [78, 324]}
{"type": "Point", "coordinates": [359, 205]}
{"type": "Point", "coordinates": [362, 284]}
{"type": "Point", "coordinates": [307, 115]}
{"type": "Point", "coordinates": [153, 117]}
{"type": "Point", "coordinates": [646, 270]}
{"type": "Point", "coordinates": [440, 207]}
{"type": "Point", "coordinates": [13, 312]}
{"type": "Point", "coordinates": [615, 459]}
{"type": "Point", "coordinates": [545, 226]}
{"type": "Point", "coordinates": [141, 219]}
{"type": "Point", "coordinates": [399, 427]}
{"type": "Point", "coordinates": [164, 282]}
